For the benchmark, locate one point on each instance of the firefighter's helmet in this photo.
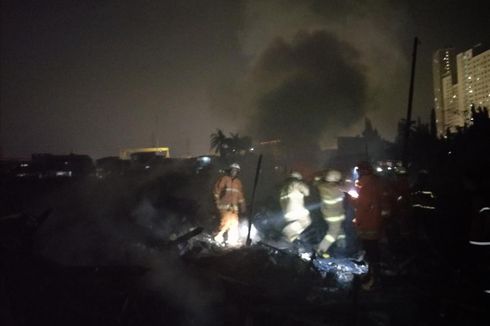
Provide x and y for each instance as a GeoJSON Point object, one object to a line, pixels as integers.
{"type": "Point", "coordinates": [333, 176]}
{"type": "Point", "coordinates": [235, 166]}
{"type": "Point", "coordinates": [296, 175]}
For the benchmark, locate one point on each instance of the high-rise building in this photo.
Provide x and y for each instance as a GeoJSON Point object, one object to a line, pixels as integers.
{"type": "Point", "coordinates": [474, 69]}
{"type": "Point", "coordinates": [445, 78]}
{"type": "Point", "coordinates": [460, 81]}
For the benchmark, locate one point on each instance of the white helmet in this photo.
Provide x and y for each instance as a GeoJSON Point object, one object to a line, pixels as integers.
{"type": "Point", "coordinates": [333, 176]}
{"type": "Point", "coordinates": [234, 166]}
{"type": "Point", "coordinates": [296, 175]}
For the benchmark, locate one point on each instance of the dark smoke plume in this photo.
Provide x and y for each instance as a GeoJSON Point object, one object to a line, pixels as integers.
{"type": "Point", "coordinates": [308, 88]}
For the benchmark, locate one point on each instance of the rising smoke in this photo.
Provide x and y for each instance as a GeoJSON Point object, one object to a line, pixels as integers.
{"type": "Point", "coordinates": [319, 67]}
{"type": "Point", "coordinates": [307, 87]}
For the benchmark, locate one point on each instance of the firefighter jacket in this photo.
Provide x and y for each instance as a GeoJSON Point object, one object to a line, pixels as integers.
{"type": "Point", "coordinates": [332, 207]}
{"type": "Point", "coordinates": [292, 195]}
{"type": "Point", "coordinates": [332, 197]}
{"type": "Point", "coordinates": [368, 207]}
{"type": "Point", "coordinates": [228, 194]}
{"type": "Point", "coordinates": [423, 198]}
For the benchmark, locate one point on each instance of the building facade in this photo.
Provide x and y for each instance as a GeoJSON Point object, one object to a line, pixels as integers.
{"type": "Point", "coordinates": [460, 81]}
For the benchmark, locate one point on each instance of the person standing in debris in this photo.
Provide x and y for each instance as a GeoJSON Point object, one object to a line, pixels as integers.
{"type": "Point", "coordinates": [332, 208]}
{"type": "Point", "coordinates": [368, 218]}
{"type": "Point", "coordinates": [292, 202]}
{"type": "Point", "coordinates": [229, 200]}
{"type": "Point", "coordinates": [423, 202]}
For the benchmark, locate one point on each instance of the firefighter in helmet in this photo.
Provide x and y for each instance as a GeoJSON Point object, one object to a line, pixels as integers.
{"type": "Point", "coordinates": [368, 218]}
{"type": "Point", "coordinates": [332, 208]}
{"type": "Point", "coordinates": [292, 202]}
{"type": "Point", "coordinates": [229, 200]}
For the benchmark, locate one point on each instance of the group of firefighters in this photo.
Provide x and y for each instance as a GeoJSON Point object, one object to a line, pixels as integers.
{"type": "Point", "coordinates": [333, 192]}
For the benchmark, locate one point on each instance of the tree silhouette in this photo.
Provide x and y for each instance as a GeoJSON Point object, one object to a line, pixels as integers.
{"type": "Point", "coordinates": [218, 142]}
{"type": "Point", "coordinates": [233, 145]}
{"type": "Point", "coordinates": [239, 145]}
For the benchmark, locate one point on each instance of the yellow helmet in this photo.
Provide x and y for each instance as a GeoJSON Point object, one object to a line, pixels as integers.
{"type": "Point", "coordinates": [333, 176]}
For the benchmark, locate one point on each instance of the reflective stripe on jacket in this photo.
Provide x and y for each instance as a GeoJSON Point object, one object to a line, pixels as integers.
{"type": "Point", "coordinates": [228, 193]}
{"type": "Point", "coordinates": [332, 197]}
{"type": "Point", "coordinates": [292, 195]}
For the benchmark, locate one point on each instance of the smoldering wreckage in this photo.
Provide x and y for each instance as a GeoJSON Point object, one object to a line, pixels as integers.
{"type": "Point", "coordinates": [148, 256]}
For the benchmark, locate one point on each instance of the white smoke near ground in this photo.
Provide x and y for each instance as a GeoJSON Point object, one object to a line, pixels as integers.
{"type": "Point", "coordinates": [129, 223]}
{"type": "Point", "coordinates": [162, 226]}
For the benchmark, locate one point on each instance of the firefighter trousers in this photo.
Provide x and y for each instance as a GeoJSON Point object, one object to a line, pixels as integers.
{"type": "Point", "coordinates": [335, 232]}
{"type": "Point", "coordinates": [298, 220]}
{"type": "Point", "coordinates": [228, 224]}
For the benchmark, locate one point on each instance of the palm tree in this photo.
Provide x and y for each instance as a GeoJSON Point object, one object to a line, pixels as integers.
{"type": "Point", "coordinates": [239, 144]}
{"type": "Point", "coordinates": [232, 145]}
{"type": "Point", "coordinates": [219, 142]}
{"type": "Point", "coordinates": [235, 142]}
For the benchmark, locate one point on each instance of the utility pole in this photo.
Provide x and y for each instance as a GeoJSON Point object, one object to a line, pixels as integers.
{"type": "Point", "coordinates": [409, 108]}
{"type": "Point", "coordinates": [252, 203]}
{"type": "Point", "coordinates": [1, 138]}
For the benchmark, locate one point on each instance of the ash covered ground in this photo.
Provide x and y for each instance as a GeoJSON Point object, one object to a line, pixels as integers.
{"type": "Point", "coordinates": [115, 252]}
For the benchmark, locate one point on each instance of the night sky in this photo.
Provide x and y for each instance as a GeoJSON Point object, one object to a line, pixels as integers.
{"type": "Point", "coordinates": [97, 76]}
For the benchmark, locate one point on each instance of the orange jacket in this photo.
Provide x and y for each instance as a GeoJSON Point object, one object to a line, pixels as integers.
{"type": "Point", "coordinates": [368, 207]}
{"type": "Point", "coordinates": [228, 193]}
